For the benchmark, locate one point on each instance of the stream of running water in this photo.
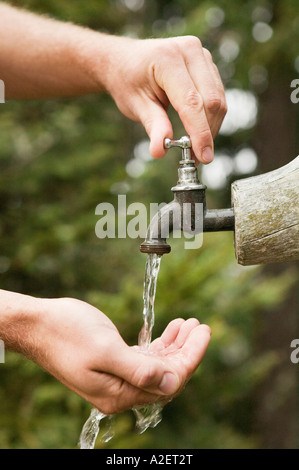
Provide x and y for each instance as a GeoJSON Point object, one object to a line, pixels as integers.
{"type": "Point", "coordinates": [148, 415]}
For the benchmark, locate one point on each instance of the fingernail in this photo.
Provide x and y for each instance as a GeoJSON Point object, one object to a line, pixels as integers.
{"type": "Point", "coordinates": [207, 155]}
{"type": "Point", "coordinates": [169, 383]}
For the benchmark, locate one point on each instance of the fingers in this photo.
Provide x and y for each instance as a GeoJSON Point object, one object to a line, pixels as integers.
{"type": "Point", "coordinates": [185, 330]}
{"type": "Point", "coordinates": [180, 350]}
{"type": "Point", "coordinates": [111, 395]}
{"type": "Point", "coordinates": [166, 342]}
{"type": "Point", "coordinates": [193, 86]}
{"type": "Point", "coordinates": [143, 371]}
{"type": "Point", "coordinates": [171, 331]}
{"type": "Point", "coordinates": [133, 378]}
{"type": "Point", "coordinates": [207, 81]}
{"type": "Point", "coordinates": [157, 125]}
{"type": "Point", "coordinates": [189, 104]}
{"type": "Point", "coordinates": [184, 344]}
{"type": "Point", "coordinates": [195, 346]}
{"type": "Point", "coordinates": [174, 335]}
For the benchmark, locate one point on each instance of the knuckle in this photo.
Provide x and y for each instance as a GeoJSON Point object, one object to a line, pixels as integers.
{"type": "Point", "coordinates": [214, 103]}
{"type": "Point", "coordinates": [205, 135]}
{"type": "Point", "coordinates": [146, 377]}
{"type": "Point", "coordinates": [112, 403]}
{"type": "Point", "coordinates": [192, 42]}
{"type": "Point", "coordinates": [192, 101]}
{"type": "Point", "coordinates": [170, 48]}
{"type": "Point", "coordinates": [166, 54]}
{"type": "Point", "coordinates": [222, 105]}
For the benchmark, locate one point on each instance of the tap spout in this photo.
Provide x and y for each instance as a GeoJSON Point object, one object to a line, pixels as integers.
{"type": "Point", "coordinates": [159, 230]}
{"type": "Point", "coordinates": [173, 217]}
{"type": "Point", "coordinates": [187, 212]}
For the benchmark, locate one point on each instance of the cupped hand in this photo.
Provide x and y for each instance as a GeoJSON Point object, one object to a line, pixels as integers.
{"type": "Point", "coordinates": [83, 349]}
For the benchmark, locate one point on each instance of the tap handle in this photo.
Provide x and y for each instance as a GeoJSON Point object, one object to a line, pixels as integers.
{"type": "Point", "coordinates": [184, 143]}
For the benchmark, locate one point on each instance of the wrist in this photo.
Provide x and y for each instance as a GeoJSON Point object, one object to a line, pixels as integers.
{"type": "Point", "coordinates": [89, 56]}
{"type": "Point", "coordinates": [104, 57]}
{"type": "Point", "coordinates": [19, 316]}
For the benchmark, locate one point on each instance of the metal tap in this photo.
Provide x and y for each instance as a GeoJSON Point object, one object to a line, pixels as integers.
{"type": "Point", "coordinates": [189, 195]}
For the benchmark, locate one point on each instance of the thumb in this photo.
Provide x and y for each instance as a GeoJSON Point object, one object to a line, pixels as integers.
{"type": "Point", "coordinates": [155, 120]}
{"type": "Point", "coordinates": [144, 371]}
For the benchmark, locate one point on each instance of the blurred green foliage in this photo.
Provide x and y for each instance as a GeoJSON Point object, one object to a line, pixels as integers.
{"type": "Point", "coordinates": [58, 160]}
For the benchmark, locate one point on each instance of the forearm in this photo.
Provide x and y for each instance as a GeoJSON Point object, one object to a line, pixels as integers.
{"type": "Point", "coordinates": [81, 347]}
{"type": "Point", "coordinates": [18, 317]}
{"type": "Point", "coordinates": [44, 58]}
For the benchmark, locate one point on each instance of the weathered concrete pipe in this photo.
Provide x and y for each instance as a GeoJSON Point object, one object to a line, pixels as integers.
{"type": "Point", "coordinates": [266, 209]}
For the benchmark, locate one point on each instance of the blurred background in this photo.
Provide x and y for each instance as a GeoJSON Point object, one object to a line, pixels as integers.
{"type": "Point", "coordinates": [60, 158]}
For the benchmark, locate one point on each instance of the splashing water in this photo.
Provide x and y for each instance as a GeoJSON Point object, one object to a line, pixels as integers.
{"type": "Point", "coordinates": [152, 268]}
{"type": "Point", "coordinates": [91, 429]}
{"type": "Point", "coordinates": [148, 415]}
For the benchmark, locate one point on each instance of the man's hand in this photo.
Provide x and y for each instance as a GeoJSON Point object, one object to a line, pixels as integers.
{"type": "Point", "coordinates": [143, 76]}
{"type": "Point", "coordinates": [82, 348]}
